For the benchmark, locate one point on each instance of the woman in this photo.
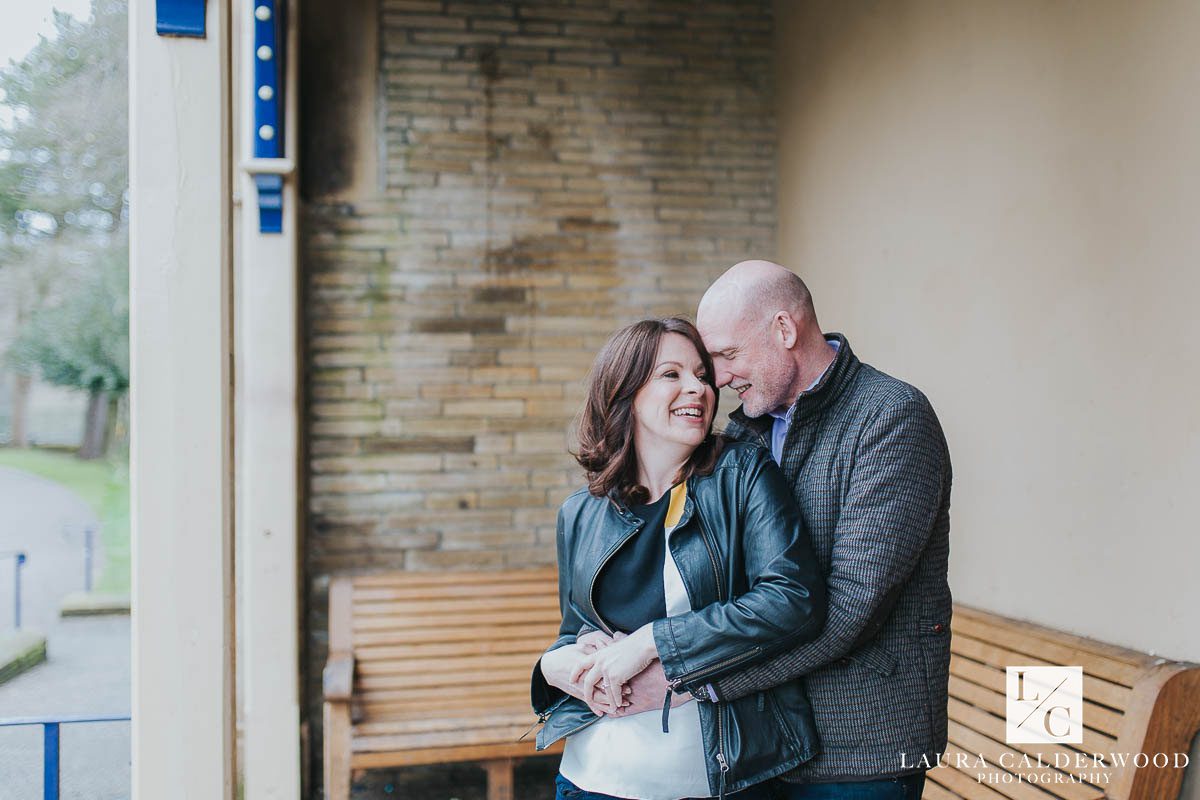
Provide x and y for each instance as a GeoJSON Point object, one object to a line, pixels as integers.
{"type": "Point", "coordinates": [686, 549]}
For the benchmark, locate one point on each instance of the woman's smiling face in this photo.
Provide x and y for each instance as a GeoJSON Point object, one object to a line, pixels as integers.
{"type": "Point", "coordinates": [675, 406]}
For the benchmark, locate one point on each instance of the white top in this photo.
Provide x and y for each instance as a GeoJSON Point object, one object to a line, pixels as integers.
{"type": "Point", "coordinates": [630, 756]}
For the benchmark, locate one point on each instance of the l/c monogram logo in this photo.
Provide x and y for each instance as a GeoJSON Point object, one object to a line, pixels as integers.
{"type": "Point", "coordinates": [1044, 705]}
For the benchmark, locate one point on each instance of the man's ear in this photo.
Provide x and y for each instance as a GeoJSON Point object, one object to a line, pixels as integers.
{"type": "Point", "coordinates": [785, 328]}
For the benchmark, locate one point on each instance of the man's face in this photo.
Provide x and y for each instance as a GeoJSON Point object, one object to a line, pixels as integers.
{"type": "Point", "coordinates": [749, 357]}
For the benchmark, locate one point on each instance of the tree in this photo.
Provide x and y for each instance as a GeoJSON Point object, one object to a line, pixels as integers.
{"type": "Point", "coordinates": [63, 167]}
{"type": "Point", "coordinates": [64, 159]}
{"type": "Point", "coordinates": [83, 343]}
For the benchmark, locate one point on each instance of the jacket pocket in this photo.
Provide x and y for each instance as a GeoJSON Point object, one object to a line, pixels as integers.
{"type": "Point", "coordinates": [876, 657]}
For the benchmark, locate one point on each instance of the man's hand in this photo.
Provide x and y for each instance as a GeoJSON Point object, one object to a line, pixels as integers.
{"type": "Point", "coordinates": [647, 691]}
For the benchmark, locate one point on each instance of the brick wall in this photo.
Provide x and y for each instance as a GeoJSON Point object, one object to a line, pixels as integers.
{"type": "Point", "coordinates": [546, 172]}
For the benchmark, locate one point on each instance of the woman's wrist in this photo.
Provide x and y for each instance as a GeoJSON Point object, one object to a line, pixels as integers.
{"type": "Point", "coordinates": [556, 668]}
{"type": "Point", "coordinates": [646, 644]}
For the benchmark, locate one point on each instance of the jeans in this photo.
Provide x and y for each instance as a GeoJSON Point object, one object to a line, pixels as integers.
{"type": "Point", "coordinates": [565, 790]}
{"type": "Point", "coordinates": [907, 787]}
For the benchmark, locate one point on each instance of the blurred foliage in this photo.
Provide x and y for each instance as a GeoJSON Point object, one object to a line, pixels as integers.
{"type": "Point", "coordinates": [64, 152]}
{"type": "Point", "coordinates": [64, 209]}
{"type": "Point", "coordinates": [83, 341]}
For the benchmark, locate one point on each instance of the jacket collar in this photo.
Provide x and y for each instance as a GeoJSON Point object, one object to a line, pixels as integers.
{"type": "Point", "coordinates": [678, 507]}
{"type": "Point", "coordinates": [835, 380]}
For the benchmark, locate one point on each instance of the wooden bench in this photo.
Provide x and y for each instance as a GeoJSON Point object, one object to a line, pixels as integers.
{"type": "Point", "coordinates": [428, 668]}
{"type": "Point", "coordinates": [1133, 703]}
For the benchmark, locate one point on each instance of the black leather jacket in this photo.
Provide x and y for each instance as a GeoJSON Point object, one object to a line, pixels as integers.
{"type": "Point", "coordinates": [750, 573]}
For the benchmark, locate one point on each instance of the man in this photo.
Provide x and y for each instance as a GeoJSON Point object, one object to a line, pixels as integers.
{"type": "Point", "coordinates": [867, 460]}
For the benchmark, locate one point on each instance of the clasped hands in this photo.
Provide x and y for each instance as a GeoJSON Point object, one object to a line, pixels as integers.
{"type": "Point", "coordinates": [616, 676]}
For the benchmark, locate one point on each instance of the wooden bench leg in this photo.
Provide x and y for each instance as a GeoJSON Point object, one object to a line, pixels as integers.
{"type": "Point", "coordinates": [337, 751]}
{"type": "Point", "coordinates": [500, 778]}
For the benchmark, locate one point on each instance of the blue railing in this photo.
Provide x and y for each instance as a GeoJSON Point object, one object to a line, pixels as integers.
{"type": "Point", "coordinates": [19, 560]}
{"type": "Point", "coordinates": [50, 740]}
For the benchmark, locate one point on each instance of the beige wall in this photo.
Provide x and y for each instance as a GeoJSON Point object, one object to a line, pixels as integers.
{"type": "Point", "coordinates": [998, 202]}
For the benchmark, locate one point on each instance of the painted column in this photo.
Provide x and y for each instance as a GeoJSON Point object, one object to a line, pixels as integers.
{"type": "Point", "coordinates": [180, 173]}
{"type": "Point", "coordinates": [268, 401]}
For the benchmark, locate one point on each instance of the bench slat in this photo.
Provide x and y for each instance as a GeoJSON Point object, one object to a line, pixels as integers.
{"type": "Point", "coordinates": [408, 622]}
{"type": "Point", "coordinates": [422, 666]}
{"type": "Point", "coordinates": [451, 609]}
{"type": "Point", "coordinates": [465, 634]}
{"type": "Point", "coordinates": [448, 677]}
{"type": "Point", "coordinates": [443, 755]}
{"type": "Point", "coordinates": [1105, 661]}
{"type": "Point", "coordinates": [382, 709]}
{"type": "Point", "coordinates": [495, 734]}
{"type": "Point", "coordinates": [375, 593]}
{"type": "Point", "coordinates": [487, 646]}
{"type": "Point", "coordinates": [433, 579]}
{"type": "Point", "coordinates": [441, 722]}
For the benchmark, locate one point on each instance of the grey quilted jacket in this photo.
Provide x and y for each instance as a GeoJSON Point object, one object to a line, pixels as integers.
{"type": "Point", "coordinates": [868, 463]}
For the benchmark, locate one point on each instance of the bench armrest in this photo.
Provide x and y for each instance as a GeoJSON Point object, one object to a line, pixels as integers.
{"type": "Point", "coordinates": [337, 680]}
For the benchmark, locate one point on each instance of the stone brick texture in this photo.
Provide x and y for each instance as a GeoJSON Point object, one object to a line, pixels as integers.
{"type": "Point", "coordinates": [548, 171]}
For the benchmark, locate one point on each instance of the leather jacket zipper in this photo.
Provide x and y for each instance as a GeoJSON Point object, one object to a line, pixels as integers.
{"type": "Point", "coordinates": [592, 586]}
{"type": "Point", "coordinates": [712, 669]}
{"type": "Point", "coordinates": [541, 720]}
{"type": "Point", "coordinates": [721, 762]}
{"type": "Point", "coordinates": [712, 556]}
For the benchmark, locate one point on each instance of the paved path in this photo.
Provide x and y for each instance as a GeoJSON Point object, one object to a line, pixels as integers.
{"type": "Point", "coordinates": [46, 521]}
{"type": "Point", "coordinates": [87, 669]}
{"type": "Point", "coordinates": [86, 672]}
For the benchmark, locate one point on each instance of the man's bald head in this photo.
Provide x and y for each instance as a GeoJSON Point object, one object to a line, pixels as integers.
{"type": "Point", "coordinates": [757, 289]}
{"type": "Point", "coordinates": [758, 323]}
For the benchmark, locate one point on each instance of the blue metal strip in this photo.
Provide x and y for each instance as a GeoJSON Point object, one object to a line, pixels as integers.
{"type": "Point", "coordinates": [181, 18]}
{"type": "Point", "coordinates": [68, 719]}
{"type": "Point", "coordinates": [268, 58]}
{"type": "Point", "coordinates": [50, 761]}
{"type": "Point", "coordinates": [270, 203]}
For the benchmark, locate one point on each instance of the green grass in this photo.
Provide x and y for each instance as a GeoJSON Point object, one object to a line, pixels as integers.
{"type": "Point", "coordinates": [103, 485]}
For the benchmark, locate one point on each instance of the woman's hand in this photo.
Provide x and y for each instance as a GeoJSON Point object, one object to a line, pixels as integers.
{"type": "Point", "coordinates": [595, 640]}
{"type": "Point", "coordinates": [559, 665]}
{"type": "Point", "coordinates": [606, 671]}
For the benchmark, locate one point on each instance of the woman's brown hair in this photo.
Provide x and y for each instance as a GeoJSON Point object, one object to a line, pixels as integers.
{"type": "Point", "coordinates": [623, 367]}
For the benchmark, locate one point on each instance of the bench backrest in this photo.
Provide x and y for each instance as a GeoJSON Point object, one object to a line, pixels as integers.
{"type": "Point", "coordinates": [428, 642]}
{"type": "Point", "coordinates": [1132, 704]}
